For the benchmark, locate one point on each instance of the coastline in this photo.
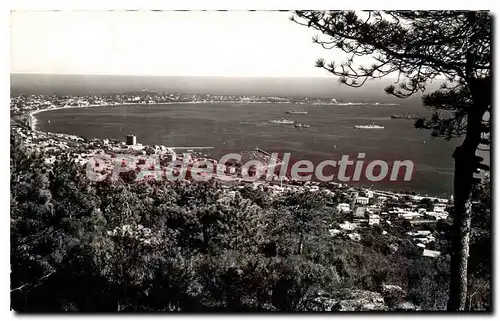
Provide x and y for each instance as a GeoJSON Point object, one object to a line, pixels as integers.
{"type": "Point", "coordinates": [33, 123]}
{"type": "Point", "coordinates": [33, 119]}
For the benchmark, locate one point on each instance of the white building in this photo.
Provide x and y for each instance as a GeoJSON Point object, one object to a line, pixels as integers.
{"type": "Point", "coordinates": [419, 233]}
{"type": "Point", "coordinates": [373, 219]}
{"type": "Point", "coordinates": [373, 209]}
{"type": "Point", "coordinates": [348, 226]}
{"type": "Point", "coordinates": [430, 253]}
{"type": "Point", "coordinates": [334, 232]}
{"type": "Point", "coordinates": [343, 207]}
{"type": "Point", "coordinates": [424, 240]}
{"type": "Point", "coordinates": [354, 236]}
{"type": "Point", "coordinates": [408, 215]}
{"type": "Point", "coordinates": [439, 207]}
{"type": "Point", "coordinates": [313, 188]}
{"type": "Point", "coordinates": [362, 200]}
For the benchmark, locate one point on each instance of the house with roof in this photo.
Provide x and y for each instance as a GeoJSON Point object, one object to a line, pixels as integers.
{"type": "Point", "coordinates": [439, 208]}
{"type": "Point", "coordinates": [373, 219]}
{"type": "Point", "coordinates": [410, 215]}
{"type": "Point", "coordinates": [362, 200]}
{"type": "Point", "coordinates": [343, 207]}
{"type": "Point", "coordinates": [430, 253]}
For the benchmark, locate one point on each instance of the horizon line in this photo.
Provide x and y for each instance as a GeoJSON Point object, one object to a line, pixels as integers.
{"type": "Point", "coordinates": [201, 76]}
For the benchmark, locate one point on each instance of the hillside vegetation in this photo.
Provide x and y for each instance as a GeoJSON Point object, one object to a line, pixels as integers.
{"type": "Point", "coordinates": [156, 246]}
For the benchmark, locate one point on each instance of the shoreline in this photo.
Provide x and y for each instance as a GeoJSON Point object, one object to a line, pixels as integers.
{"type": "Point", "coordinates": [33, 119]}
{"type": "Point", "coordinates": [33, 123]}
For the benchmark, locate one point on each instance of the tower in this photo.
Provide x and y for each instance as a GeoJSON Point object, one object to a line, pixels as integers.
{"type": "Point", "coordinates": [131, 140]}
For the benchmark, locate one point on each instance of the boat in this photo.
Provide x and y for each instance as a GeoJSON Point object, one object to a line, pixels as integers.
{"type": "Point", "coordinates": [297, 112]}
{"type": "Point", "coordinates": [369, 126]}
{"type": "Point", "coordinates": [398, 116]}
{"type": "Point", "coordinates": [282, 121]}
{"type": "Point", "coordinates": [299, 125]}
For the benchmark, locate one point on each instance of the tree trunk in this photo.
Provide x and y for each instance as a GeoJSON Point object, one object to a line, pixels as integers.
{"type": "Point", "coordinates": [460, 231]}
{"type": "Point", "coordinates": [465, 166]}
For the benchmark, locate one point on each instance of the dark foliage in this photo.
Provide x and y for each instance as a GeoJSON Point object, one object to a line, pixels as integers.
{"type": "Point", "coordinates": [115, 246]}
{"type": "Point", "coordinates": [422, 47]}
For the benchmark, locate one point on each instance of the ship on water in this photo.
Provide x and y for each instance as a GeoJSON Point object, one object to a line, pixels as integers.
{"type": "Point", "coordinates": [282, 121]}
{"type": "Point", "coordinates": [299, 125]}
{"type": "Point", "coordinates": [398, 116]}
{"type": "Point", "coordinates": [368, 126]}
{"type": "Point", "coordinates": [297, 112]}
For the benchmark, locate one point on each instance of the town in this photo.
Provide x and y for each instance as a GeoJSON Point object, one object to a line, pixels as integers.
{"type": "Point", "coordinates": [360, 208]}
{"type": "Point", "coordinates": [250, 161]}
{"type": "Point", "coordinates": [22, 106]}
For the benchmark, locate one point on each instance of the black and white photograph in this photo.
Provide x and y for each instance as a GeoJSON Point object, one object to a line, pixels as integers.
{"type": "Point", "coordinates": [251, 161]}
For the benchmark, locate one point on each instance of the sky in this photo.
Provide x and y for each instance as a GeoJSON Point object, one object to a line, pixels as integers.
{"type": "Point", "coordinates": [167, 43]}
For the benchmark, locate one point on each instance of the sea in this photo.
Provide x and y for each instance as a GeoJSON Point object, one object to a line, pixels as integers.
{"type": "Point", "coordinates": [237, 127]}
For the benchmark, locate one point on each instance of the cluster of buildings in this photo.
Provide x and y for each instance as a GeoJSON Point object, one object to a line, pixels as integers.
{"type": "Point", "coordinates": [149, 161]}
{"type": "Point", "coordinates": [368, 208]}
{"type": "Point", "coordinates": [50, 143]}
{"type": "Point", "coordinates": [23, 104]}
{"type": "Point", "coordinates": [361, 208]}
